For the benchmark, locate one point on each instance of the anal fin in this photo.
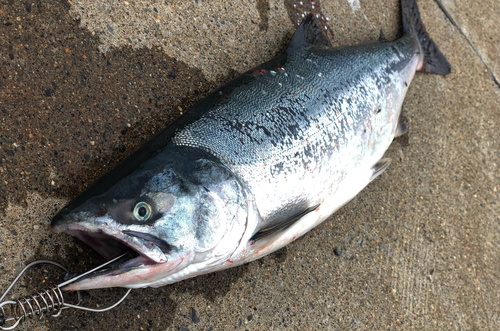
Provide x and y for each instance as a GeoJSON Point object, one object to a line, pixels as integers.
{"type": "Point", "coordinates": [380, 167]}
{"type": "Point", "coordinates": [265, 232]}
{"type": "Point", "coordinates": [402, 126]}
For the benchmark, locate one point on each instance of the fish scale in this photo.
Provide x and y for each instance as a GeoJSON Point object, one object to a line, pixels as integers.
{"type": "Point", "coordinates": [256, 164]}
{"type": "Point", "coordinates": [311, 114]}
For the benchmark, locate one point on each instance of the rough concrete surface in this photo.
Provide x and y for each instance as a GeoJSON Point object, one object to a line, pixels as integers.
{"type": "Point", "coordinates": [479, 24]}
{"type": "Point", "coordinates": [417, 249]}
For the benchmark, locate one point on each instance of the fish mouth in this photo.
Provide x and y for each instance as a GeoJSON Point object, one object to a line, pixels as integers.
{"type": "Point", "coordinates": [139, 250]}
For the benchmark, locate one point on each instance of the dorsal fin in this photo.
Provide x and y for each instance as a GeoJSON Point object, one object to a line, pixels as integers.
{"type": "Point", "coordinates": [308, 34]}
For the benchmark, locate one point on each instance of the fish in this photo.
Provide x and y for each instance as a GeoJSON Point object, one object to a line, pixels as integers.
{"type": "Point", "coordinates": [256, 164]}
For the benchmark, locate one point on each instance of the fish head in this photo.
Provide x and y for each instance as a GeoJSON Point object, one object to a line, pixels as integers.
{"type": "Point", "coordinates": [166, 214]}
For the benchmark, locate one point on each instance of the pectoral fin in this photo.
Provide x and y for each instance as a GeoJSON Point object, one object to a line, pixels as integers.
{"type": "Point", "coordinates": [277, 227]}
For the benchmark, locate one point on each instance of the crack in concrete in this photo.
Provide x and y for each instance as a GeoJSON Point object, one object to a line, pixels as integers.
{"type": "Point", "coordinates": [448, 15]}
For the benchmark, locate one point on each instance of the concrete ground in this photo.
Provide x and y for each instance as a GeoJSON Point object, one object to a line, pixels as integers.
{"type": "Point", "coordinates": [84, 83]}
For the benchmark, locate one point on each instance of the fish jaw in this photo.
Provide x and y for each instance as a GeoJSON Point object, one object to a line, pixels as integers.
{"type": "Point", "coordinates": [109, 239]}
{"type": "Point", "coordinates": [138, 277]}
{"type": "Point", "coordinates": [144, 264]}
{"type": "Point", "coordinates": [142, 271]}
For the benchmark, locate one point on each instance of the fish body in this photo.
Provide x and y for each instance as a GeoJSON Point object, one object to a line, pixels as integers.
{"type": "Point", "coordinates": [255, 165]}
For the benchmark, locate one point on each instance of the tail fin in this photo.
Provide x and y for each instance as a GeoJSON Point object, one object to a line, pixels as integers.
{"type": "Point", "coordinates": [434, 61]}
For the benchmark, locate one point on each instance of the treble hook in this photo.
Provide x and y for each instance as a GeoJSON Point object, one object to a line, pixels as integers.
{"type": "Point", "coordinates": [46, 302]}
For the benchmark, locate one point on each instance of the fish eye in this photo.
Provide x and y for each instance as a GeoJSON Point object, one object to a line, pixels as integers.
{"type": "Point", "coordinates": [142, 211]}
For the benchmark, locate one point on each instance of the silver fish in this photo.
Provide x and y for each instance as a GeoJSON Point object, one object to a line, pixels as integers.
{"type": "Point", "coordinates": [255, 165]}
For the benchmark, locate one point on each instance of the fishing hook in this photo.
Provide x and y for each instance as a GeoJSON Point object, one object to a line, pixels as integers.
{"type": "Point", "coordinates": [50, 301]}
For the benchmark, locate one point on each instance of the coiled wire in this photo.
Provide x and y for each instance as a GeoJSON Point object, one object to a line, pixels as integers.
{"type": "Point", "coordinates": [46, 302]}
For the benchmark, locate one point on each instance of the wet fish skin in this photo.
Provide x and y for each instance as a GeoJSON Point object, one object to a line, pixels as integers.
{"type": "Point", "coordinates": [258, 163]}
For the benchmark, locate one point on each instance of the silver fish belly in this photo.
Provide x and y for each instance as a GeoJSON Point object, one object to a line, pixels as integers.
{"type": "Point", "coordinates": [255, 165]}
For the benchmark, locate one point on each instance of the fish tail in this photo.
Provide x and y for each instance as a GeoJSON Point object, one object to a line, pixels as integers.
{"type": "Point", "coordinates": [433, 60]}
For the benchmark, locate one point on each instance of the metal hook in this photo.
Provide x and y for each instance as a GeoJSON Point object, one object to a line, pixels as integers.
{"type": "Point", "coordinates": [46, 302]}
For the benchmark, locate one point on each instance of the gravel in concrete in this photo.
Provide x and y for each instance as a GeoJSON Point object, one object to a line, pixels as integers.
{"type": "Point", "coordinates": [479, 24]}
{"type": "Point", "coordinates": [417, 249]}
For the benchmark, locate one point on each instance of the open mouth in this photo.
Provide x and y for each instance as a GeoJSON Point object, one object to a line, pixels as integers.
{"type": "Point", "coordinates": [140, 249]}
{"type": "Point", "coordinates": [109, 247]}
